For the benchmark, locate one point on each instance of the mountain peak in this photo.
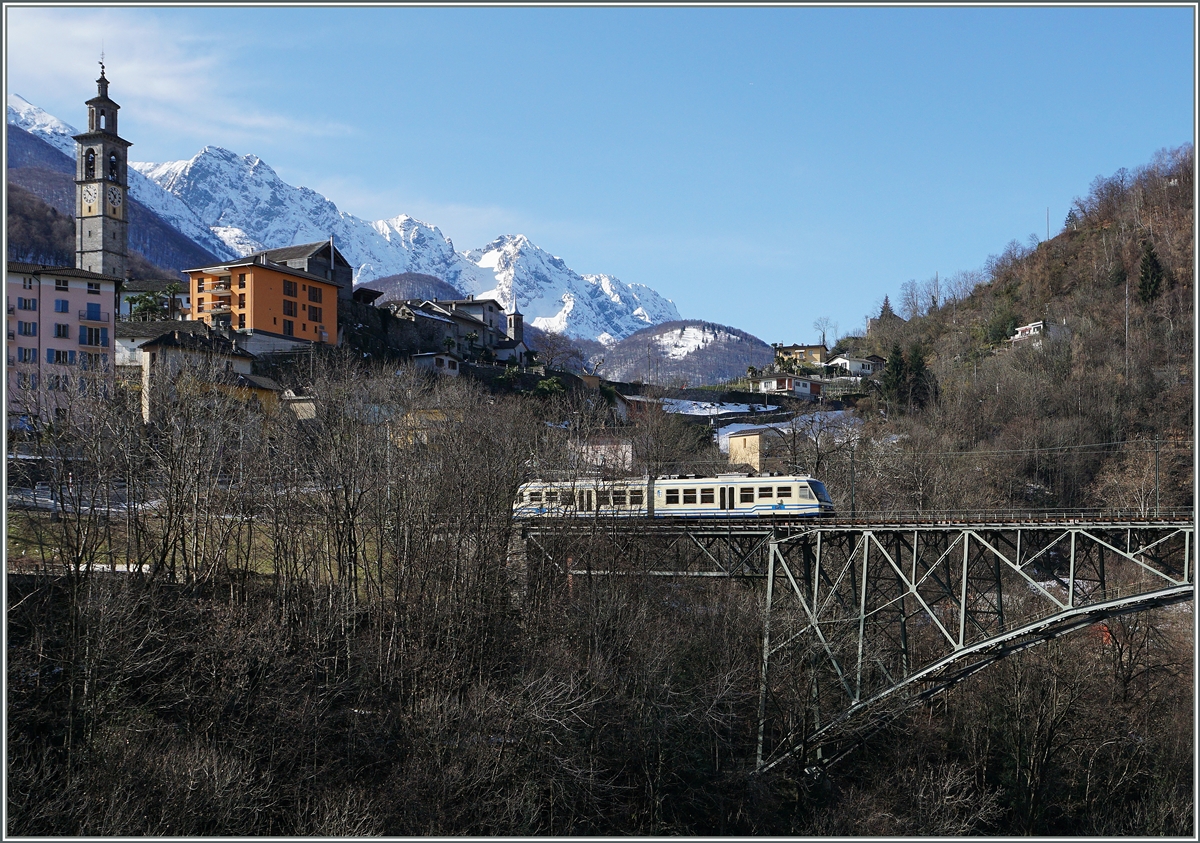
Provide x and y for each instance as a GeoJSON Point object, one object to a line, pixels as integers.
{"type": "Point", "coordinates": [237, 204]}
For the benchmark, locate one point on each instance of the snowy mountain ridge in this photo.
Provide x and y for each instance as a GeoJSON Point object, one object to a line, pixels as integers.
{"type": "Point", "coordinates": [20, 112]}
{"type": "Point", "coordinates": [236, 204]}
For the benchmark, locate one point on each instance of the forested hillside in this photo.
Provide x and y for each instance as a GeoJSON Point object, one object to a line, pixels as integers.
{"type": "Point", "coordinates": [1073, 419]}
{"type": "Point", "coordinates": [38, 233]}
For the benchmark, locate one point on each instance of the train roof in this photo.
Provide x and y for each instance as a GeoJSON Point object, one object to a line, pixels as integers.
{"type": "Point", "coordinates": [645, 477]}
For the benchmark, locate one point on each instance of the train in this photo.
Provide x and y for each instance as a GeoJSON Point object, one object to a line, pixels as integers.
{"type": "Point", "coordinates": [681, 496]}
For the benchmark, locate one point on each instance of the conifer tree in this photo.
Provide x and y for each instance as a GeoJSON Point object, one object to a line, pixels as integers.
{"type": "Point", "coordinates": [895, 375]}
{"type": "Point", "coordinates": [1150, 283]}
{"type": "Point", "coordinates": [916, 377]}
{"type": "Point", "coordinates": [886, 311]}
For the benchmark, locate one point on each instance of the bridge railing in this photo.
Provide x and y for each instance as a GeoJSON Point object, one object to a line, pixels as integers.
{"type": "Point", "coordinates": [1015, 515]}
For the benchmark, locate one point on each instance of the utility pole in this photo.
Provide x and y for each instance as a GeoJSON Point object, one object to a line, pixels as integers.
{"type": "Point", "coordinates": [852, 478]}
{"type": "Point", "coordinates": [1156, 475]}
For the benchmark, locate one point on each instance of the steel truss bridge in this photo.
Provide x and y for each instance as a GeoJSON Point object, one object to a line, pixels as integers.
{"type": "Point", "coordinates": [861, 620]}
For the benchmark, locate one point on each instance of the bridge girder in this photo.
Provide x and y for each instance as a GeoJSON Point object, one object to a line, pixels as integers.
{"type": "Point", "coordinates": [862, 620]}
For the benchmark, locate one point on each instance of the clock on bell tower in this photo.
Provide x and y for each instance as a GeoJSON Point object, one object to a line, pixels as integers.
{"type": "Point", "coordinates": [102, 182]}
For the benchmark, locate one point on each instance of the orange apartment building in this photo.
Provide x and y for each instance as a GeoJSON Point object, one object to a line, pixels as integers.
{"type": "Point", "coordinates": [276, 300]}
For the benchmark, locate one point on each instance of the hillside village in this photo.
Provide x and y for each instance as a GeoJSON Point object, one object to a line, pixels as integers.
{"type": "Point", "coordinates": [250, 319]}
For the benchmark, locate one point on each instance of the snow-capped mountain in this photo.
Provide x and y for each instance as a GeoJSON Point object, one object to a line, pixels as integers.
{"type": "Point", "coordinates": [555, 298]}
{"type": "Point", "coordinates": [250, 208]}
{"type": "Point", "coordinates": [233, 205]}
{"type": "Point", "coordinates": [690, 351]}
{"type": "Point", "coordinates": [61, 136]}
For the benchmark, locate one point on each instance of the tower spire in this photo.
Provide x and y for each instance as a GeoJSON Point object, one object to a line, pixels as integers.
{"type": "Point", "coordinates": [102, 82]}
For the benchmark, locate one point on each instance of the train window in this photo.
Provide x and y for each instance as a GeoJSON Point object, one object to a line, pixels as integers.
{"type": "Point", "coordinates": [618, 497]}
{"type": "Point", "coordinates": [568, 498]}
{"type": "Point", "coordinates": [746, 494]}
{"type": "Point", "coordinates": [689, 495]}
{"type": "Point", "coordinates": [635, 497]}
{"type": "Point", "coordinates": [784, 492]}
{"type": "Point", "coordinates": [551, 497]}
{"type": "Point", "coordinates": [706, 495]}
{"type": "Point", "coordinates": [535, 497]}
{"type": "Point", "coordinates": [520, 497]}
{"type": "Point", "coordinates": [672, 496]}
{"type": "Point", "coordinates": [602, 499]}
{"type": "Point", "coordinates": [804, 492]}
{"type": "Point", "coordinates": [765, 491]}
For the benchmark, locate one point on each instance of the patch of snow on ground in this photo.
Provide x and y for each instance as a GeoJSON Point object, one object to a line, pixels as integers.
{"type": "Point", "coordinates": [835, 420]}
{"type": "Point", "coordinates": [710, 408]}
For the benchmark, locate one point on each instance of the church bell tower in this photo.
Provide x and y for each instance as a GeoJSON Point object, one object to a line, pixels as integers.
{"type": "Point", "coordinates": [101, 189]}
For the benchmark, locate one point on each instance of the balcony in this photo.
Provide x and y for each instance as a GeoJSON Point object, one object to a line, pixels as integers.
{"type": "Point", "coordinates": [12, 361]}
{"type": "Point", "coordinates": [95, 317]}
{"type": "Point", "coordinates": [219, 286]}
{"type": "Point", "coordinates": [11, 310]}
{"type": "Point", "coordinates": [12, 335]}
{"type": "Point", "coordinates": [217, 309]}
{"type": "Point", "coordinates": [221, 292]}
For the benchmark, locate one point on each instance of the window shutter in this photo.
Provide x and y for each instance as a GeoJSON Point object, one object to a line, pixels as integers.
{"type": "Point", "coordinates": [104, 337]}
{"type": "Point", "coordinates": [82, 335]}
{"type": "Point", "coordinates": [49, 355]}
{"type": "Point", "coordinates": [71, 357]}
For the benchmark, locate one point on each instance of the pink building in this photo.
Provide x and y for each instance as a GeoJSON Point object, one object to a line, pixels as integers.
{"type": "Point", "coordinates": [60, 318]}
{"type": "Point", "coordinates": [60, 323]}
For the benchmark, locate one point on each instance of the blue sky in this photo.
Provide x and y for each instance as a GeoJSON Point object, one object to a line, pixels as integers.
{"type": "Point", "coordinates": [763, 167]}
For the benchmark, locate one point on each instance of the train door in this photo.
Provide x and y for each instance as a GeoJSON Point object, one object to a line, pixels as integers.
{"type": "Point", "coordinates": [729, 497]}
{"type": "Point", "coordinates": [722, 497]}
{"type": "Point", "coordinates": [588, 495]}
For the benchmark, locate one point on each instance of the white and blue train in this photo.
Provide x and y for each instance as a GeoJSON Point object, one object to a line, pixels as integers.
{"type": "Point", "coordinates": [685, 496]}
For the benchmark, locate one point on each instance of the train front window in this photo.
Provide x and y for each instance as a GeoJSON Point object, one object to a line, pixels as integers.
{"type": "Point", "coordinates": [635, 497]}
{"type": "Point", "coordinates": [689, 495]}
{"type": "Point", "coordinates": [520, 497]}
{"type": "Point", "coordinates": [746, 494]}
{"type": "Point", "coordinates": [805, 494]}
{"type": "Point", "coordinates": [821, 491]}
{"type": "Point", "coordinates": [672, 496]}
{"type": "Point", "coordinates": [706, 495]}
